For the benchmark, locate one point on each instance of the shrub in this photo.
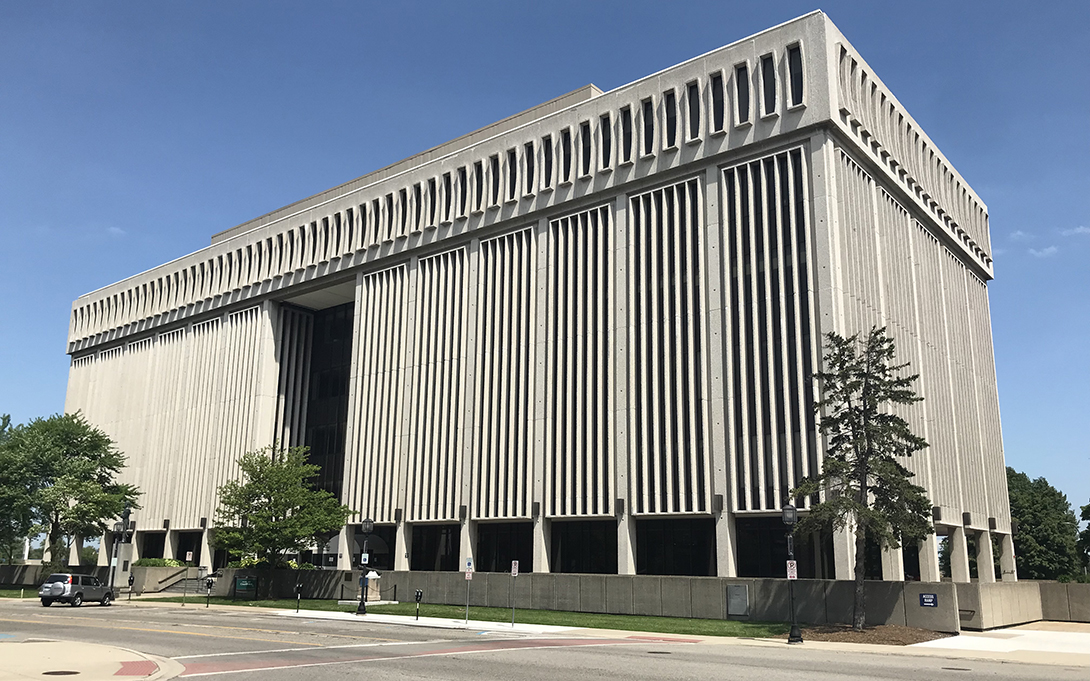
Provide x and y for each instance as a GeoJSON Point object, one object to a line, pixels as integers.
{"type": "Point", "coordinates": [158, 562]}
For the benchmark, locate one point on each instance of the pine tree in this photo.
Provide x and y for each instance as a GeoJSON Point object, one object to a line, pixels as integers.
{"type": "Point", "coordinates": [863, 485]}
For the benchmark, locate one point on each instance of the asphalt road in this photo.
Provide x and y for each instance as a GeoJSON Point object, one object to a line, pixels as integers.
{"type": "Point", "coordinates": [254, 644]}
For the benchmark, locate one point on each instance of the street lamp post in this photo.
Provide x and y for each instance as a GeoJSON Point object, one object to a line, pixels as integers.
{"type": "Point", "coordinates": [368, 527]}
{"type": "Point", "coordinates": [121, 534]}
{"type": "Point", "coordinates": [790, 517]}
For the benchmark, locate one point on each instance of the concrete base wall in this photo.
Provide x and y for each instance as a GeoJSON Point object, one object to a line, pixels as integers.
{"type": "Point", "coordinates": [27, 576]}
{"type": "Point", "coordinates": [998, 604]}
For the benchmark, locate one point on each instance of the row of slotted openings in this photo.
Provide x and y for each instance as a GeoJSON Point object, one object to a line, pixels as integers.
{"type": "Point", "coordinates": [770, 346]}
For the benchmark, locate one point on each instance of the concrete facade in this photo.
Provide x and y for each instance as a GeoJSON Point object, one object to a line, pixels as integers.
{"type": "Point", "coordinates": [607, 308]}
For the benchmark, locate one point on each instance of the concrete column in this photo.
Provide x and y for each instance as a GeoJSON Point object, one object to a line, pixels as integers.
{"type": "Point", "coordinates": [105, 549]}
{"type": "Point", "coordinates": [26, 550]}
{"type": "Point", "coordinates": [75, 546]}
{"type": "Point", "coordinates": [893, 564]}
{"type": "Point", "coordinates": [404, 542]}
{"type": "Point", "coordinates": [726, 548]}
{"type": "Point", "coordinates": [467, 545]}
{"type": "Point", "coordinates": [844, 553]}
{"type": "Point", "coordinates": [929, 559]}
{"type": "Point", "coordinates": [206, 551]}
{"type": "Point", "coordinates": [959, 555]}
{"type": "Point", "coordinates": [1006, 558]}
{"type": "Point", "coordinates": [626, 544]}
{"type": "Point", "coordinates": [344, 551]}
{"type": "Point", "coordinates": [985, 566]}
{"type": "Point", "coordinates": [542, 545]}
{"type": "Point", "coordinates": [170, 545]}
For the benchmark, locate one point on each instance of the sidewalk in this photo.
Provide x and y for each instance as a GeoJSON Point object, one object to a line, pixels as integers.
{"type": "Point", "coordinates": [34, 658]}
{"type": "Point", "coordinates": [433, 622]}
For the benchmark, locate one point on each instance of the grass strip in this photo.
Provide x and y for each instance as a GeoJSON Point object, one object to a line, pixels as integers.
{"type": "Point", "coordinates": [29, 592]}
{"type": "Point", "coordinates": [662, 625]}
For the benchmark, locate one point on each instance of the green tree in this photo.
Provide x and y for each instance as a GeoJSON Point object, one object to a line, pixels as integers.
{"type": "Point", "coordinates": [16, 488]}
{"type": "Point", "coordinates": [73, 468]}
{"type": "Point", "coordinates": [1044, 547]}
{"type": "Point", "coordinates": [275, 509]}
{"type": "Point", "coordinates": [862, 484]}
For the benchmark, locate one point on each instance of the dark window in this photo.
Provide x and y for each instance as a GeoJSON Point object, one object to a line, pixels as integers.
{"type": "Point", "coordinates": [435, 548]}
{"type": "Point", "coordinates": [626, 134]}
{"type": "Point", "coordinates": [648, 127]}
{"type": "Point", "coordinates": [448, 197]}
{"type": "Point", "coordinates": [584, 546]}
{"type": "Point", "coordinates": [547, 161]}
{"type": "Point", "coordinates": [670, 104]}
{"type": "Point", "coordinates": [418, 203]}
{"type": "Point", "coordinates": [741, 87]}
{"type": "Point", "coordinates": [478, 176]}
{"type": "Point", "coordinates": [432, 203]}
{"type": "Point", "coordinates": [494, 168]}
{"type": "Point", "coordinates": [762, 550]}
{"type": "Point", "coordinates": [463, 191]}
{"type": "Point", "coordinates": [512, 174]}
{"type": "Point", "coordinates": [389, 216]}
{"type": "Point", "coordinates": [585, 146]}
{"type": "Point", "coordinates": [403, 199]}
{"type": "Point", "coordinates": [500, 543]}
{"type": "Point", "coordinates": [154, 543]}
{"type": "Point", "coordinates": [676, 547]}
{"type": "Point", "coordinates": [717, 102]}
{"type": "Point", "coordinates": [531, 159]}
{"type": "Point", "coordinates": [794, 67]}
{"type": "Point", "coordinates": [606, 132]}
{"type": "Point", "coordinates": [381, 544]}
{"type": "Point", "coordinates": [694, 111]}
{"type": "Point", "coordinates": [327, 402]}
{"type": "Point", "coordinates": [565, 156]}
{"type": "Point", "coordinates": [768, 83]}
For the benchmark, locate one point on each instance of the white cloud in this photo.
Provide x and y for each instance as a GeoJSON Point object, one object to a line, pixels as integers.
{"type": "Point", "coordinates": [1078, 230]}
{"type": "Point", "coordinates": [1044, 252]}
{"type": "Point", "coordinates": [115, 231]}
{"type": "Point", "coordinates": [1020, 236]}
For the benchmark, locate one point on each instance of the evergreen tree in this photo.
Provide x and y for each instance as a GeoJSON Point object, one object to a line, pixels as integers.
{"type": "Point", "coordinates": [275, 508]}
{"type": "Point", "coordinates": [862, 484]}
{"type": "Point", "coordinates": [1045, 545]}
{"type": "Point", "coordinates": [1084, 539]}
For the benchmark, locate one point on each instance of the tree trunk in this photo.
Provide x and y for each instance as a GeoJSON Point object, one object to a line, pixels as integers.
{"type": "Point", "coordinates": [859, 617]}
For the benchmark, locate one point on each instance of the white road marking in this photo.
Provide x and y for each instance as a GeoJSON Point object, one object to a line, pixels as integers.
{"type": "Point", "coordinates": [291, 650]}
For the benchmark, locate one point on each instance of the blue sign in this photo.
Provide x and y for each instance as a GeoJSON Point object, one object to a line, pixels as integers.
{"type": "Point", "coordinates": [929, 600]}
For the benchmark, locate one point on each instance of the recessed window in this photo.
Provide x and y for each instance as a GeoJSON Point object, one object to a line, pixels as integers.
{"type": "Point", "coordinates": [669, 102]}
{"type": "Point", "coordinates": [605, 131]}
{"type": "Point", "coordinates": [432, 202]}
{"type": "Point", "coordinates": [565, 155]}
{"type": "Point", "coordinates": [547, 161]}
{"type": "Point", "coordinates": [626, 135]}
{"type": "Point", "coordinates": [741, 92]}
{"type": "Point", "coordinates": [478, 182]}
{"type": "Point", "coordinates": [448, 197]}
{"type": "Point", "coordinates": [463, 191]}
{"type": "Point", "coordinates": [389, 217]}
{"type": "Point", "coordinates": [717, 102]}
{"type": "Point", "coordinates": [794, 68]}
{"type": "Point", "coordinates": [585, 147]}
{"type": "Point", "coordinates": [418, 204]}
{"type": "Point", "coordinates": [494, 170]}
{"type": "Point", "coordinates": [768, 84]}
{"type": "Point", "coordinates": [648, 127]}
{"type": "Point", "coordinates": [694, 110]}
{"type": "Point", "coordinates": [403, 200]}
{"type": "Point", "coordinates": [531, 160]}
{"type": "Point", "coordinates": [512, 174]}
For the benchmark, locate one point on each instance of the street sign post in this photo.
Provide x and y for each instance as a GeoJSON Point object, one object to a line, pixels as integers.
{"type": "Point", "coordinates": [514, 574]}
{"type": "Point", "coordinates": [792, 569]}
{"type": "Point", "coordinates": [469, 578]}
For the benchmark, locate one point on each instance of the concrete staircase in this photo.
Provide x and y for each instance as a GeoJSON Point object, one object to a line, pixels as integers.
{"type": "Point", "coordinates": [182, 586]}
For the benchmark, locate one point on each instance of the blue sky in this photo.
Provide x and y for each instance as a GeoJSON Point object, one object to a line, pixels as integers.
{"type": "Point", "coordinates": [131, 132]}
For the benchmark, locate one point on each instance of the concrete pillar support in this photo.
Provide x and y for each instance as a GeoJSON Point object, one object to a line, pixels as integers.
{"type": "Point", "coordinates": [344, 551]}
{"type": "Point", "coordinates": [542, 545]}
{"type": "Point", "coordinates": [468, 544]}
{"type": "Point", "coordinates": [985, 563]}
{"type": "Point", "coordinates": [844, 553]}
{"type": "Point", "coordinates": [75, 547]}
{"type": "Point", "coordinates": [929, 559]}
{"type": "Point", "coordinates": [1006, 558]}
{"type": "Point", "coordinates": [626, 545]}
{"type": "Point", "coordinates": [404, 541]}
{"type": "Point", "coordinates": [725, 546]}
{"type": "Point", "coordinates": [959, 555]}
{"type": "Point", "coordinates": [893, 564]}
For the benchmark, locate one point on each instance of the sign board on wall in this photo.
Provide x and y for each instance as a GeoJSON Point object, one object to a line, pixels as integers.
{"type": "Point", "coordinates": [929, 600]}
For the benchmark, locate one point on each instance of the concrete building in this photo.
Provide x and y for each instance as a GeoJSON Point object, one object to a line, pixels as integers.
{"type": "Point", "coordinates": [581, 337]}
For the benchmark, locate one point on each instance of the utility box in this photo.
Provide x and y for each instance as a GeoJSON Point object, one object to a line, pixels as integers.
{"type": "Point", "coordinates": [738, 600]}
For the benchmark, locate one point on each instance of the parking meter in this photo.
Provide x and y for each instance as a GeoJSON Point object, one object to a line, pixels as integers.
{"type": "Point", "coordinates": [419, 597]}
{"type": "Point", "coordinates": [298, 595]}
{"type": "Point", "coordinates": [131, 580]}
{"type": "Point", "coordinates": [208, 584]}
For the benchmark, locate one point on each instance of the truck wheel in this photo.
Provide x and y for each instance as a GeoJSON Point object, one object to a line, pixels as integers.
{"type": "Point", "coordinates": [107, 598]}
{"type": "Point", "coordinates": [76, 601]}
{"type": "Point", "coordinates": [46, 602]}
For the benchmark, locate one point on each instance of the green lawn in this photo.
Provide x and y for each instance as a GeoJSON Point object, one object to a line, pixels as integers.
{"type": "Point", "coordinates": [665, 625]}
{"type": "Point", "coordinates": [29, 592]}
